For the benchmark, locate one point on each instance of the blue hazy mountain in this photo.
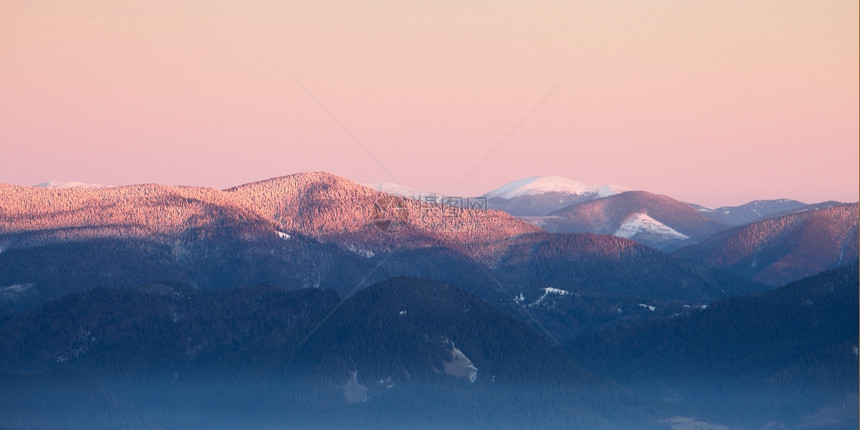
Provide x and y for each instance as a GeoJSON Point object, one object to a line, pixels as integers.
{"type": "Point", "coordinates": [783, 358]}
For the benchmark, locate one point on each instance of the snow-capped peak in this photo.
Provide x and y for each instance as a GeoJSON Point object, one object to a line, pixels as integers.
{"type": "Point", "coordinates": [642, 223]}
{"type": "Point", "coordinates": [63, 184]}
{"type": "Point", "coordinates": [538, 185]}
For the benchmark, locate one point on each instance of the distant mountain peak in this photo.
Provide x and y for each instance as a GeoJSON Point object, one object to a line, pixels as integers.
{"type": "Point", "coordinates": [66, 184]}
{"type": "Point", "coordinates": [538, 185]}
{"type": "Point", "coordinates": [753, 211]}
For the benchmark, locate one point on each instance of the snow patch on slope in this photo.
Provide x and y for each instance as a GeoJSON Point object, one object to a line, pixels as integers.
{"type": "Point", "coordinates": [354, 391]}
{"type": "Point", "coordinates": [460, 366]}
{"type": "Point", "coordinates": [547, 291]}
{"type": "Point", "coordinates": [362, 252]}
{"type": "Point", "coordinates": [642, 223]}
{"type": "Point", "coordinates": [16, 288]}
{"type": "Point", "coordinates": [17, 291]}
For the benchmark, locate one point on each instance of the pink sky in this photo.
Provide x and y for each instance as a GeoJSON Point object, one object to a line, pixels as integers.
{"type": "Point", "coordinates": [713, 102]}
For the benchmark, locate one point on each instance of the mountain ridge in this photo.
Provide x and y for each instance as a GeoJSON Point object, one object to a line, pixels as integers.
{"type": "Point", "coordinates": [785, 248]}
{"type": "Point", "coordinates": [304, 203]}
{"type": "Point", "coordinates": [655, 220]}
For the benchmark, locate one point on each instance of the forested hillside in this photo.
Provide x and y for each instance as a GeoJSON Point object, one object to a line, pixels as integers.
{"type": "Point", "coordinates": [786, 356]}
{"type": "Point", "coordinates": [786, 248]}
{"type": "Point", "coordinates": [264, 356]}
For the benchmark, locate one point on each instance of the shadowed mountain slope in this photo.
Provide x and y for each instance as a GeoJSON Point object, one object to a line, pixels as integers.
{"type": "Point", "coordinates": [393, 355]}
{"type": "Point", "coordinates": [787, 357]}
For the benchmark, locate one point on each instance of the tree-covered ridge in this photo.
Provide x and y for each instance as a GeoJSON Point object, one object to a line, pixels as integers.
{"type": "Point", "coordinates": [157, 328]}
{"type": "Point", "coordinates": [419, 321]}
{"type": "Point", "coordinates": [319, 205]}
{"type": "Point", "coordinates": [786, 248]}
{"type": "Point", "coordinates": [611, 265]}
{"type": "Point", "coordinates": [39, 215]}
{"type": "Point", "coordinates": [330, 208]}
{"type": "Point", "coordinates": [605, 215]}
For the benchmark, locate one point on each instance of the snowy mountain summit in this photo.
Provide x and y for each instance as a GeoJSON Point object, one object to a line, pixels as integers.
{"type": "Point", "coordinates": [540, 195]}
{"type": "Point", "coordinates": [538, 185]}
{"type": "Point", "coordinates": [78, 185]}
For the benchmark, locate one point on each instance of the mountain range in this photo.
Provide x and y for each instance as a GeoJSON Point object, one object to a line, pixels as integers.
{"type": "Point", "coordinates": [309, 300]}
{"type": "Point", "coordinates": [318, 230]}
{"type": "Point", "coordinates": [562, 205]}
{"type": "Point", "coordinates": [556, 204]}
{"type": "Point", "coordinates": [750, 212]}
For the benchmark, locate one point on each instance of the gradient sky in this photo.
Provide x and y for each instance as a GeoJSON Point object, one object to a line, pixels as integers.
{"type": "Point", "coordinates": [713, 102]}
